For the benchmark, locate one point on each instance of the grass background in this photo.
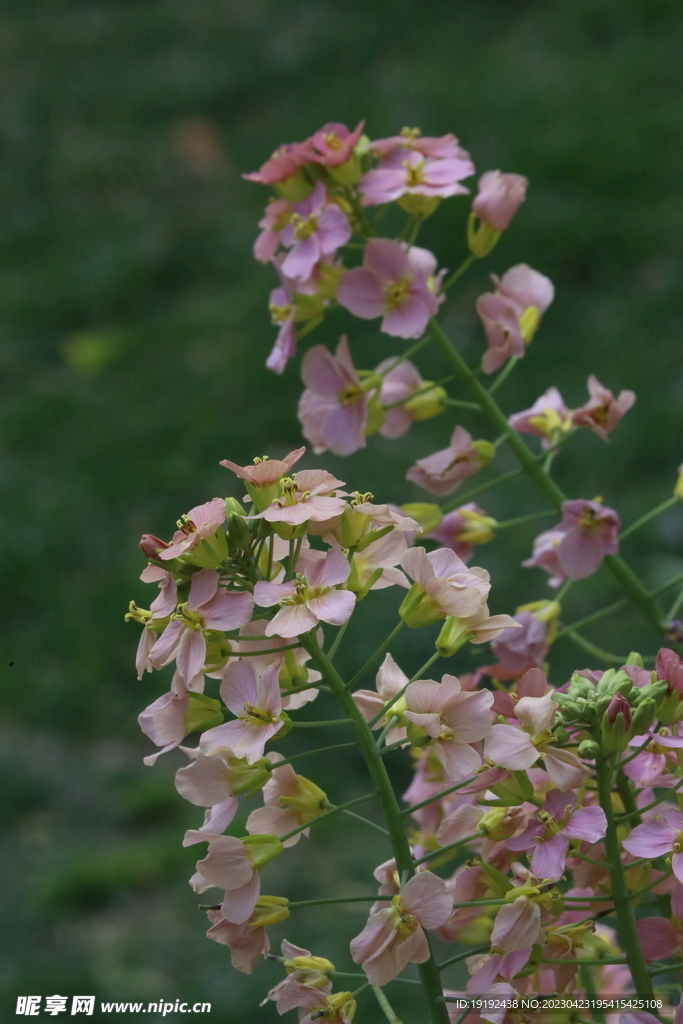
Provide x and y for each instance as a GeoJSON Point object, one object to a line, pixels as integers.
{"type": "Point", "coordinates": [133, 330]}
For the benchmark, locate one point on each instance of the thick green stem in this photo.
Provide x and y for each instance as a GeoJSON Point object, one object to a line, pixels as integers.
{"type": "Point", "coordinates": [390, 808]}
{"type": "Point", "coordinates": [623, 573]}
{"type": "Point", "coordinates": [386, 1005]}
{"type": "Point", "coordinates": [623, 905]}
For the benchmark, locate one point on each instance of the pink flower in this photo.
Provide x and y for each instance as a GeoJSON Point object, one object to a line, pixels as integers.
{"type": "Point", "coordinates": [305, 972]}
{"type": "Point", "coordinates": [545, 556]}
{"type": "Point", "coordinates": [517, 750]}
{"type": "Point", "coordinates": [444, 471]}
{"type": "Point", "coordinates": [548, 833]}
{"type": "Point", "coordinates": [398, 385]}
{"type": "Point", "coordinates": [339, 1008]}
{"type": "Point", "coordinates": [406, 171]}
{"type": "Point", "coordinates": [290, 801]}
{"type": "Point", "coordinates": [591, 531]}
{"type": "Point", "coordinates": [285, 163]}
{"type": "Point", "coordinates": [291, 664]}
{"type": "Point", "coordinates": [444, 147]}
{"type": "Point", "coordinates": [233, 865]}
{"type": "Point", "coordinates": [333, 410]}
{"type": "Point", "coordinates": [511, 314]}
{"type": "Point", "coordinates": [164, 722]}
{"type": "Point", "coordinates": [207, 608]}
{"type": "Point", "coordinates": [547, 417]}
{"type": "Point", "coordinates": [316, 228]}
{"type": "Point", "coordinates": [333, 144]}
{"type": "Point", "coordinates": [275, 218]}
{"type": "Point", "coordinates": [310, 599]}
{"type": "Point", "coordinates": [305, 497]}
{"type": "Point", "coordinates": [603, 411]}
{"type": "Point", "coordinates": [517, 926]}
{"type": "Point", "coordinates": [518, 649]}
{"type": "Point", "coordinates": [395, 283]}
{"type": "Point", "coordinates": [264, 474]}
{"type": "Point", "coordinates": [390, 680]}
{"type": "Point", "coordinates": [669, 667]}
{"type": "Point", "coordinates": [460, 529]}
{"type": "Point", "coordinates": [209, 782]}
{"type": "Point", "coordinates": [199, 523]}
{"type": "Point", "coordinates": [373, 568]}
{"type": "Point", "coordinates": [647, 767]}
{"type": "Point", "coordinates": [394, 936]}
{"type": "Point", "coordinates": [256, 703]}
{"type": "Point", "coordinates": [247, 942]}
{"type": "Point", "coordinates": [446, 586]}
{"type": "Point", "coordinates": [452, 719]}
{"type": "Point", "coordinates": [659, 937]}
{"type": "Point", "coordinates": [499, 198]}
{"type": "Point", "coordinates": [662, 835]}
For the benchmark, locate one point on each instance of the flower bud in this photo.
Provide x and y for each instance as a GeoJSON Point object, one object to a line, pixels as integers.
{"type": "Point", "coordinates": [588, 749]}
{"type": "Point", "coordinates": [233, 505]}
{"type": "Point", "coordinates": [678, 489]}
{"type": "Point", "coordinates": [429, 516]}
{"type": "Point", "coordinates": [203, 712]}
{"type": "Point", "coordinates": [619, 705]}
{"type": "Point", "coordinates": [478, 529]}
{"type": "Point", "coordinates": [485, 450]}
{"type": "Point", "coordinates": [635, 659]}
{"type": "Point", "coordinates": [295, 188]}
{"type": "Point", "coordinates": [310, 970]}
{"type": "Point", "coordinates": [643, 717]}
{"type": "Point", "coordinates": [151, 545]}
{"type": "Point", "coordinates": [615, 730]}
{"type": "Point", "coordinates": [426, 404]}
{"type": "Point", "coordinates": [210, 552]}
{"type": "Point", "coordinates": [670, 708]}
{"type": "Point", "coordinates": [239, 533]}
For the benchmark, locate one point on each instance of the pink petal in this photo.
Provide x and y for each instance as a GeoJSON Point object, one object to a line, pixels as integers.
{"type": "Point", "coordinates": [204, 782]}
{"type": "Point", "coordinates": [239, 686]}
{"type": "Point", "coordinates": [589, 824]}
{"type": "Point", "coordinates": [517, 925]}
{"type": "Point", "coordinates": [227, 864]}
{"type": "Point", "coordinates": [361, 292]}
{"type": "Point", "coordinates": [320, 372]}
{"type": "Point", "coordinates": [658, 937]}
{"type": "Point", "coordinates": [238, 903]}
{"type": "Point", "coordinates": [458, 759]}
{"type": "Point", "coordinates": [330, 571]}
{"type": "Point", "coordinates": [651, 839]}
{"type": "Point", "coordinates": [291, 620]}
{"type": "Point", "coordinates": [268, 594]}
{"type": "Point", "coordinates": [191, 654]}
{"type": "Point", "coordinates": [408, 320]}
{"type": "Point", "coordinates": [227, 610]}
{"type": "Point", "coordinates": [335, 607]}
{"type": "Point", "coordinates": [549, 857]}
{"type": "Point", "coordinates": [202, 588]}
{"type": "Point", "coordinates": [427, 897]}
{"type": "Point", "coordinates": [510, 748]}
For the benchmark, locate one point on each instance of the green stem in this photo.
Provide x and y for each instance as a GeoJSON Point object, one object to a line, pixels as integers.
{"type": "Point", "coordinates": [623, 906]}
{"type": "Point", "coordinates": [397, 696]}
{"type": "Point", "coordinates": [333, 810]}
{"type": "Point", "coordinates": [459, 403]}
{"type": "Point", "coordinates": [647, 517]}
{"type": "Point", "coordinates": [525, 519]}
{"type": "Point", "coordinates": [598, 652]}
{"type": "Point", "coordinates": [504, 374]}
{"type": "Point", "coordinates": [463, 956]}
{"type": "Point", "coordinates": [648, 807]}
{"type": "Point", "coordinates": [316, 725]}
{"type": "Point", "coordinates": [466, 263]}
{"type": "Point", "coordinates": [388, 802]}
{"type": "Point", "coordinates": [464, 498]}
{"type": "Point", "coordinates": [437, 796]}
{"type": "Point", "coordinates": [378, 654]}
{"type": "Point", "coordinates": [328, 901]}
{"type": "Point", "coordinates": [447, 849]}
{"type": "Point", "coordinates": [607, 610]}
{"type": "Point", "coordinates": [393, 720]}
{"type": "Point", "coordinates": [624, 574]}
{"type": "Point", "coordinates": [337, 640]}
{"type": "Point", "coordinates": [309, 753]}
{"type": "Point", "coordinates": [366, 821]}
{"type": "Point", "coordinates": [386, 1005]}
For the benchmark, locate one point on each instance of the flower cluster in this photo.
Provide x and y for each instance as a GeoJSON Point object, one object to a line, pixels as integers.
{"type": "Point", "coordinates": [540, 813]}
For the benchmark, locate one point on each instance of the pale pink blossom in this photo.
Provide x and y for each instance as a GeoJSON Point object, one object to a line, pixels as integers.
{"type": "Point", "coordinates": [290, 801]}
{"type": "Point", "coordinates": [659, 937]}
{"type": "Point", "coordinates": [647, 768]}
{"type": "Point", "coordinates": [444, 471]}
{"type": "Point", "coordinates": [448, 586]}
{"type": "Point", "coordinates": [546, 417]}
{"type": "Point", "coordinates": [548, 833]}
{"type": "Point", "coordinates": [460, 529]}
{"type": "Point", "coordinates": [505, 313]}
{"type": "Point", "coordinates": [247, 942]}
{"type": "Point", "coordinates": [256, 702]}
{"type": "Point", "coordinates": [164, 722]}
{"type": "Point", "coordinates": [466, 884]}
{"type": "Point", "coordinates": [452, 719]}
{"type": "Point", "coordinates": [510, 747]}
{"type": "Point", "coordinates": [398, 384]}
{"type": "Point", "coordinates": [338, 1008]}
{"type": "Point", "coordinates": [233, 865]}
{"type": "Point", "coordinates": [207, 608]}
{"type": "Point", "coordinates": [284, 163]}
{"type": "Point", "coordinates": [199, 523]}
{"type": "Point", "coordinates": [275, 217]}
{"type": "Point", "coordinates": [443, 147]}
{"type": "Point", "coordinates": [499, 198]}
{"type": "Point", "coordinates": [308, 496]}
{"type": "Point", "coordinates": [333, 410]}
{"type": "Point", "coordinates": [304, 972]}
{"type": "Point", "coordinates": [310, 599]}
{"type": "Point", "coordinates": [545, 556]}
{"type": "Point", "coordinates": [406, 171]}
{"type": "Point", "coordinates": [591, 531]}
{"type": "Point", "coordinates": [374, 568]}
{"type": "Point", "coordinates": [486, 967]}
{"type": "Point", "coordinates": [603, 411]}
{"type": "Point", "coordinates": [282, 308]}
{"type": "Point", "coordinates": [316, 228]}
{"type": "Point", "coordinates": [389, 681]}
{"type": "Point", "coordinates": [669, 667]}
{"type": "Point", "coordinates": [393, 937]}
{"type": "Point", "coordinates": [397, 283]}
{"type": "Point", "coordinates": [162, 607]}
{"type": "Point", "coordinates": [292, 667]}
{"type": "Point", "coordinates": [517, 926]}
{"type": "Point", "coordinates": [519, 649]}
{"type": "Point", "coordinates": [209, 782]}
{"type": "Point", "coordinates": [661, 835]}
{"type": "Point", "coordinates": [333, 144]}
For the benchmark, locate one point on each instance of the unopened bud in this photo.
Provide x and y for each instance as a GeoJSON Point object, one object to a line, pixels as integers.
{"type": "Point", "coordinates": [485, 450]}
{"type": "Point", "coordinates": [635, 659]}
{"type": "Point", "coordinates": [588, 749]}
{"type": "Point", "coordinates": [427, 403]}
{"type": "Point", "coordinates": [428, 516]}
{"type": "Point", "coordinates": [151, 545]}
{"type": "Point", "coordinates": [238, 532]}
{"type": "Point", "coordinates": [643, 717]}
{"type": "Point", "coordinates": [269, 910]}
{"type": "Point", "coordinates": [616, 705]}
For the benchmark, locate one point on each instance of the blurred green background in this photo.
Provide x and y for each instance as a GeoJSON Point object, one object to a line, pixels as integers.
{"type": "Point", "coordinates": [133, 330]}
